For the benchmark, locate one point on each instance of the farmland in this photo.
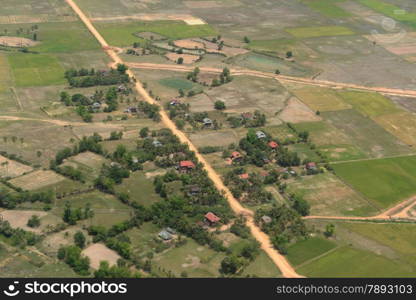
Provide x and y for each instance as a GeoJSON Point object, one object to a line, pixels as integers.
{"type": "Point", "coordinates": [89, 168]}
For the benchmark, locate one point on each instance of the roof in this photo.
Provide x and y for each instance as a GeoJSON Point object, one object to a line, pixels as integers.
{"type": "Point", "coordinates": [266, 219]}
{"type": "Point", "coordinates": [247, 115]}
{"type": "Point", "coordinates": [186, 164]}
{"type": "Point", "coordinates": [165, 235]}
{"type": "Point", "coordinates": [207, 121]}
{"type": "Point", "coordinates": [244, 176]}
{"type": "Point", "coordinates": [212, 217]}
{"type": "Point", "coordinates": [156, 143]}
{"type": "Point", "coordinates": [235, 154]}
{"type": "Point", "coordinates": [260, 134]}
{"type": "Point", "coordinates": [311, 165]}
{"type": "Point", "coordinates": [273, 144]}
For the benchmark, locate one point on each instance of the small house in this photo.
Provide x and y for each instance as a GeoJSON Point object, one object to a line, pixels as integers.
{"type": "Point", "coordinates": [273, 145]}
{"type": "Point", "coordinates": [165, 235]}
{"type": "Point", "coordinates": [266, 219]}
{"type": "Point", "coordinates": [194, 190]}
{"type": "Point", "coordinates": [174, 102]}
{"type": "Point", "coordinates": [211, 219]}
{"type": "Point", "coordinates": [247, 116]}
{"type": "Point", "coordinates": [186, 166]}
{"type": "Point", "coordinates": [260, 134]}
{"type": "Point", "coordinates": [236, 156]}
{"type": "Point", "coordinates": [244, 176]}
{"type": "Point", "coordinates": [156, 143]}
{"type": "Point", "coordinates": [311, 166]}
{"type": "Point", "coordinates": [170, 230]}
{"type": "Point", "coordinates": [207, 122]}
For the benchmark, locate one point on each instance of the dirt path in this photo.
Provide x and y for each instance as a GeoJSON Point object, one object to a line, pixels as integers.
{"type": "Point", "coordinates": [280, 78]}
{"type": "Point", "coordinates": [396, 212]}
{"type": "Point", "coordinates": [280, 261]}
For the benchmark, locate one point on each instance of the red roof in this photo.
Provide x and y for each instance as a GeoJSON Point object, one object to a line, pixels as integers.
{"type": "Point", "coordinates": [212, 217]}
{"type": "Point", "coordinates": [311, 165]}
{"type": "Point", "coordinates": [186, 164]}
{"type": "Point", "coordinates": [244, 176]}
{"type": "Point", "coordinates": [273, 144]}
{"type": "Point", "coordinates": [235, 154]}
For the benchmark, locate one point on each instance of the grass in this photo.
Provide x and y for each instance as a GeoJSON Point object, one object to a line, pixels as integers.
{"type": "Point", "coordinates": [369, 104]}
{"type": "Point", "coordinates": [320, 99]}
{"type": "Point", "coordinates": [140, 189]}
{"type": "Point", "coordinates": [318, 31]}
{"type": "Point", "coordinates": [304, 152]}
{"type": "Point", "coordinates": [307, 249]}
{"type": "Point", "coordinates": [328, 8]}
{"type": "Point", "coordinates": [262, 266]}
{"type": "Point", "coordinates": [123, 34]}
{"type": "Point", "coordinates": [400, 124]}
{"type": "Point", "coordinates": [351, 262]}
{"type": "Point", "coordinates": [60, 37]}
{"type": "Point", "coordinates": [36, 70]}
{"type": "Point", "coordinates": [328, 195]}
{"type": "Point", "coordinates": [366, 134]}
{"type": "Point", "coordinates": [384, 181]}
{"type": "Point", "coordinates": [196, 260]}
{"type": "Point", "coordinates": [390, 10]}
{"type": "Point", "coordinates": [177, 83]}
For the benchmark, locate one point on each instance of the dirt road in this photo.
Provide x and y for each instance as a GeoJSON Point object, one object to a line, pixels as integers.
{"type": "Point", "coordinates": [280, 261]}
{"type": "Point", "coordinates": [280, 78]}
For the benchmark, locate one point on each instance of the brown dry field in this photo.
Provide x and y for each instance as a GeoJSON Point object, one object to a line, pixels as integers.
{"type": "Point", "coordinates": [187, 58]}
{"type": "Point", "coordinates": [297, 112]}
{"type": "Point", "coordinates": [189, 44]}
{"type": "Point", "coordinates": [188, 19]}
{"type": "Point", "coordinates": [37, 179]}
{"type": "Point", "coordinates": [12, 168]}
{"type": "Point", "coordinates": [202, 4]}
{"type": "Point", "coordinates": [40, 18]}
{"type": "Point", "coordinates": [98, 253]}
{"type": "Point", "coordinates": [13, 41]}
{"type": "Point", "coordinates": [89, 159]}
{"type": "Point", "coordinates": [19, 218]}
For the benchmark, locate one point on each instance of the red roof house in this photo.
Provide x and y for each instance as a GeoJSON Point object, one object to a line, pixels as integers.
{"type": "Point", "coordinates": [211, 218]}
{"type": "Point", "coordinates": [244, 176]}
{"type": "Point", "coordinates": [186, 165]}
{"type": "Point", "coordinates": [236, 155]}
{"type": "Point", "coordinates": [311, 166]}
{"type": "Point", "coordinates": [273, 145]}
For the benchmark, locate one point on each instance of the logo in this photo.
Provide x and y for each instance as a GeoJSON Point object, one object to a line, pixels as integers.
{"type": "Point", "coordinates": [394, 32]}
{"type": "Point", "coordinates": [11, 290]}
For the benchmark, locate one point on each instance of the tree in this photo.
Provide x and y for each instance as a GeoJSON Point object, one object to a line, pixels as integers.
{"type": "Point", "coordinates": [122, 68]}
{"type": "Point", "coordinates": [329, 230]}
{"type": "Point", "coordinates": [230, 265]}
{"type": "Point", "coordinates": [219, 105]}
{"type": "Point", "coordinates": [246, 40]}
{"type": "Point", "coordinates": [179, 61]}
{"type": "Point", "coordinates": [144, 132]}
{"type": "Point", "coordinates": [34, 221]}
{"type": "Point", "coordinates": [79, 239]}
{"type": "Point", "coordinates": [301, 206]}
{"type": "Point", "coordinates": [289, 54]}
{"type": "Point", "coordinates": [181, 93]}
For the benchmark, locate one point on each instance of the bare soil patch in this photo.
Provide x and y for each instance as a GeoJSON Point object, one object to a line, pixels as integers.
{"type": "Point", "coordinates": [12, 41]}
{"type": "Point", "coordinates": [37, 179]}
{"type": "Point", "coordinates": [98, 253]}
{"type": "Point", "coordinates": [19, 218]}
{"type": "Point", "coordinates": [201, 4]}
{"type": "Point", "coordinates": [297, 112]}
{"type": "Point", "coordinates": [189, 44]}
{"type": "Point", "coordinates": [187, 58]}
{"type": "Point", "coordinates": [11, 168]}
{"type": "Point", "coordinates": [89, 159]}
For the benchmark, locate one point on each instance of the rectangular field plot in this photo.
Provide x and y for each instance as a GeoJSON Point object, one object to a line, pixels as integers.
{"type": "Point", "coordinates": [402, 125]}
{"type": "Point", "coordinates": [11, 168]}
{"type": "Point", "coordinates": [366, 134]}
{"type": "Point", "coordinates": [351, 262]}
{"type": "Point", "coordinates": [328, 8]}
{"type": "Point", "coordinates": [123, 34]}
{"type": "Point", "coordinates": [37, 180]}
{"type": "Point", "coordinates": [384, 181]}
{"type": "Point", "coordinates": [329, 196]}
{"type": "Point", "coordinates": [317, 31]}
{"type": "Point", "coordinates": [36, 70]}
{"type": "Point", "coordinates": [310, 248]}
{"type": "Point", "coordinates": [320, 99]}
{"type": "Point", "coordinates": [369, 104]}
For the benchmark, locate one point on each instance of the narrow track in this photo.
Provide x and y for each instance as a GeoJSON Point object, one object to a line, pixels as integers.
{"type": "Point", "coordinates": [280, 78]}
{"type": "Point", "coordinates": [280, 261]}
